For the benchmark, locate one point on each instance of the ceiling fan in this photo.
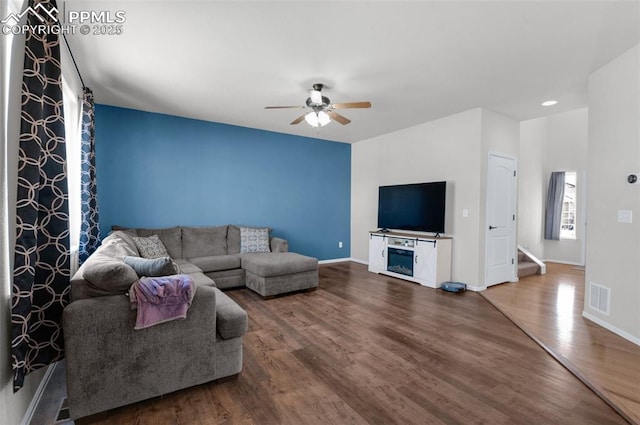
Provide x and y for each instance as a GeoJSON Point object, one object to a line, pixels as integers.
{"type": "Point", "coordinates": [322, 110]}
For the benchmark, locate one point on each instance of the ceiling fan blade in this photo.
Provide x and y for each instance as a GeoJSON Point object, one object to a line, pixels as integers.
{"type": "Point", "coordinates": [351, 105]}
{"type": "Point", "coordinates": [337, 117]}
{"type": "Point", "coordinates": [284, 107]}
{"type": "Point", "coordinates": [298, 120]}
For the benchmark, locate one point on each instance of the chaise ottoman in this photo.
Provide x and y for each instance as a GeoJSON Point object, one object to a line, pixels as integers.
{"type": "Point", "coordinates": [275, 273]}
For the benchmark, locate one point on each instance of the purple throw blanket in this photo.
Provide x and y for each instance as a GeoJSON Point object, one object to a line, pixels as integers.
{"type": "Point", "coordinates": [161, 299]}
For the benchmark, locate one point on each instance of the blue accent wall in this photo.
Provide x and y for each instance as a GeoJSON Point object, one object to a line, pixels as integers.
{"type": "Point", "coordinates": [157, 170]}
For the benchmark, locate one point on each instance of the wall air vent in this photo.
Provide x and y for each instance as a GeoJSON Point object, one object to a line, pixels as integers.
{"type": "Point", "coordinates": [599, 298]}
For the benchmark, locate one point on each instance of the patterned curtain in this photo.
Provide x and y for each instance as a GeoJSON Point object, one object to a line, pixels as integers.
{"type": "Point", "coordinates": [89, 228]}
{"type": "Point", "coordinates": [41, 269]}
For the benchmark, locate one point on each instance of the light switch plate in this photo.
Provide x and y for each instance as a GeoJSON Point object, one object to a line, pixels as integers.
{"type": "Point", "coordinates": [625, 216]}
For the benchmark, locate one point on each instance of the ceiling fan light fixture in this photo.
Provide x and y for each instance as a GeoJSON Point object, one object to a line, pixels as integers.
{"type": "Point", "coordinates": [317, 119]}
{"type": "Point", "coordinates": [316, 97]}
{"type": "Point", "coordinates": [312, 119]}
{"type": "Point", "coordinates": [323, 118]}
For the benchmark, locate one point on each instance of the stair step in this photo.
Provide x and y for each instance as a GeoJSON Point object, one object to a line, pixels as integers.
{"type": "Point", "coordinates": [527, 269]}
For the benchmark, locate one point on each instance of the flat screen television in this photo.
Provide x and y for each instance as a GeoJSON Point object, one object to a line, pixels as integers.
{"type": "Point", "coordinates": [419, 207]}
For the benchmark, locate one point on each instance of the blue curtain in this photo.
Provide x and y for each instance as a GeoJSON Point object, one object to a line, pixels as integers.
{"type": "Point", "coordinates": [41, 272]}
{"type": "Point", "coordinates": [89, 228]}
{"type": "Point", "coordinates": [553, 210]}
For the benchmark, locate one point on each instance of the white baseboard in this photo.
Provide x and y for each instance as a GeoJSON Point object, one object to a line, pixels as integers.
{"type": "Point", "coordinates": [28, 415]}
{"type": "Point", "coordinates": [356, 260]}
{"type": "Point", "coordinates": [569, 263]}
{"type": "Point", "coordinates": [610, 327]}
{"type": "Point", "coordinates": [335, 260]}
{"type": "Point", "coordinates": [342, 260]}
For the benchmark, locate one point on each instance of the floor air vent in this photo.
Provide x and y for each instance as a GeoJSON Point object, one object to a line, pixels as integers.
{"type": "Point", "coordinates": [599, 297]}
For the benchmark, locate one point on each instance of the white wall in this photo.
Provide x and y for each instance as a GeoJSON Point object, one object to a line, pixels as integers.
{"type": "Point", "coordinates": [531, 185]}
{"type": "Point", "coordinates": [12, 406]}
{"type": "Point", "coordinates": [500, 135]}
{"type": "Point", "coordinates": [445, 149]}
{"type": "Point", "coordinates": [567, 151]}
{"type": "Point", "coordinates": [455, 149]}
{"type": "Point", "coordinates": [554, 143]}
{"type": "Point", "coordinates": [613, 248]}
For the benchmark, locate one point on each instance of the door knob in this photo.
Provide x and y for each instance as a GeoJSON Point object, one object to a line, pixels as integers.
{"type": "Point", "coordinates": [492, 227]}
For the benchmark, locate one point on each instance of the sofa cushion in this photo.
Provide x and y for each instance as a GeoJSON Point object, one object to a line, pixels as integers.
{"type": "Point", "coordinates": [152, 267]}
{"type": "Point", "coordinates": [226, 279]}
{"type": "Point", "coordinates": [127, 238]}
{"type": "Point", "coordinates": [186, 267]}
{"type": "Point", "coordinates": [131, 230]}
{"type": "Point", "coordinates": [254, 239]}
{"type": "Point", "coordinates": [171, 237]}
{"type": "Point", "coordinates": [150, 247]}
{"type": "Point", "coordinates": [200, 279]}
{"type": "Point", "coordinates": [233, 239]}
{"type": "Point", "coordinates": [109, 275]}
{"type": "Point", "coordinates": [231, 319]}
{"type": "Point", "coordinates": [277, 263]}
{"type": "Point", "coordinates": [217, 262]}
{"type": "Point", "coordinates": [117, 247]}
{"type": "Point", "coordinates": [204, 241]}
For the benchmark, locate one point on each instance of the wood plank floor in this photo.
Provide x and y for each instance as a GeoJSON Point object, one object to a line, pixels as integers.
{"type": "Point", "coordinates": [370, 349]}
{"type": "Point", "coordinates": [550, 307]}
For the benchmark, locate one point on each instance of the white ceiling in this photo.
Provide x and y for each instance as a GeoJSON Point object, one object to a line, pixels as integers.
{"type": "Point", "coordinates": [415, 61]}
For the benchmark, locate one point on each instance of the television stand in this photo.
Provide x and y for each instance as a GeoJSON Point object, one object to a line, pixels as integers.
{"type": "Point", "coordinates": [417, 258]}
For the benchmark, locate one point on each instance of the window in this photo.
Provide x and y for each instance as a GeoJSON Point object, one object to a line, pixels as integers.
{"type": "Point", "coordinates": [72, 102]}
{"type": "Point", "coordinates": [568, 220]}
{"type": "Point", "coordinates": [72, 126]}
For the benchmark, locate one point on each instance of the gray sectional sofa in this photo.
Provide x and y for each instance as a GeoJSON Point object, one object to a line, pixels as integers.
{"type": "Point", "coordinates": [109, 364]}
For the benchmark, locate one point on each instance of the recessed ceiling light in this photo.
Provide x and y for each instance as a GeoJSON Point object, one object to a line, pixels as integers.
{"type": "Point", "coordinates": [549, 103]}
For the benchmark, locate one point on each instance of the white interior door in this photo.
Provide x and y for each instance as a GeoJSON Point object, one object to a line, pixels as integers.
{"type": "Point", "coordinates": [501, 220]}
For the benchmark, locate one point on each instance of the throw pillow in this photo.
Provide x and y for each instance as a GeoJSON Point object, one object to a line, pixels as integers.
{"type": "Point", "coordinates": [254, 239]}
{"type": "Point", "coordinates": [108, 275]}
{"type": "Point", "coordinates": [118, 244]}
{"type": "Point", "coordinates": [127, 237]}
{"type": "Point", "coordinates": [171, 238]}
{"type": "Point", "coordinates": [150, 247]}
{"type": "Point", "coordinates": [152, 267]}
{"type": "Point", "coordinates": [233, 237]}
